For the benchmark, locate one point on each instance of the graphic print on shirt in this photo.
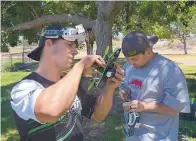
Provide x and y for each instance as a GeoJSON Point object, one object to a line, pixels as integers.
{"type": "Point", "coordinates": [66, 122]}
{"type": "Point", "coordinates": [76, 106]}
{"type": "Point", "coordinates": [73, 114]}
{"type": "Point", "coordinates": [135, 84]}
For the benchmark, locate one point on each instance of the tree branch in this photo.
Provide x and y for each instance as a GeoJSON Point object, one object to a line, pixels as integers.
{"type": "Point", "coordinates": [120, 5]}
{"type": "Point", "coordinates": [58, 18]}
{"type": "Point", "coordinates": [4, 8]}
{"type": "Point", "coordinates": [34, 12]}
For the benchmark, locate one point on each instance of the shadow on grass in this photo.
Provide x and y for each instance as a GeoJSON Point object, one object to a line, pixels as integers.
{"type": "Point", "coordinates": [7, 119]}
{"type": "Point", "coordinates": [11, 67]}
{"type": "Point", "coordinates": [191, 83]}
{"type": "Point", "coordinates": [25, 67]}
{"type": "Point", "coordinates": [19, 66]}
{"type": "Point", "coordinates": [187, 128]}
{"type": "Point", "coordinates": [193, 74]}
{"type": "Point", "coordinates": [15, 66]}
{"type": "Point", "coordinates": [113, 130]}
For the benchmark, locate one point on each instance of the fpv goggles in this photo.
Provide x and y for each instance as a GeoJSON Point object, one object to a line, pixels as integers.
{"type": "Point", "coordinates": [70, 34]}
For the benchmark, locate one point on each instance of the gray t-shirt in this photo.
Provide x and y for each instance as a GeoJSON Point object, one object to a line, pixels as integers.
{"type": "Point", "coordinates": [161, 81]}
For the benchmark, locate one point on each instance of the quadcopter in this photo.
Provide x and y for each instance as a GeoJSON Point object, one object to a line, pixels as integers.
{"type": "Point", "coordinates": [105, 72]}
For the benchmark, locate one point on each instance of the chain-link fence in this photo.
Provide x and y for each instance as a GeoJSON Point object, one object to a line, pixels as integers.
{"type": "Point", "coordinates": [14, 61]}
{"type": "Point", "coordinates": [17, 57]}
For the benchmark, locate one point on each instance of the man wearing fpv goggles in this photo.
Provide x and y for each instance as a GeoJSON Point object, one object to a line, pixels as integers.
{"type": "Point", "coordinates": [48, 107]}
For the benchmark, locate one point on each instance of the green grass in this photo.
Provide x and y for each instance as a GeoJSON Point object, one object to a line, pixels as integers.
{"type": "Point", "coordinates": [190, 128]}
{"type": "Point", "coordinates": [181, 57]}
{"type": "Point", "coordinates": [190, 74]}
{"type": "Point", "coordinates": [8, 129]}
{"type": "Point", "coordinates": [112, 130]}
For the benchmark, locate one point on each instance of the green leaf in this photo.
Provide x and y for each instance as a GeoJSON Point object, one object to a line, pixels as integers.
{"type": "Point", "coordinates": [106, 51]}
{"type": "Point", "coordinates": [91, 84]}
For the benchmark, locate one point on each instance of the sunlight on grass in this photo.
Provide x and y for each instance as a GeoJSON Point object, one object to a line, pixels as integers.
{"type": "Point", "coordinates": [191, 139]}
{"type": "Point", "coordinates": [181, 57]}
{"type": "Point", "coordinates": [188, 69]}
{"type": "Point", "coordinates": [11, 77]}
{"type": "Point", "coordinates": [11, 135]}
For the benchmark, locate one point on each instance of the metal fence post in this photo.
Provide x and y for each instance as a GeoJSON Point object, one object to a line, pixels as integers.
{"type": "Point", "coordinates": [11, 61]}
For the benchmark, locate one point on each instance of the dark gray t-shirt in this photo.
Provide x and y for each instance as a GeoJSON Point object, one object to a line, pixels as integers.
{"type": "Point", "coordinates": [161, 81]}
{"type": "Point", "coordinates": [68, 127]}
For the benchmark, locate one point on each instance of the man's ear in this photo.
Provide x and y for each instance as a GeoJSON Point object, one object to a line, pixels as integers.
{"type": "Point", "coordinates": [148, 51]}
{"type": "Point", "coordinates": [48, 42]}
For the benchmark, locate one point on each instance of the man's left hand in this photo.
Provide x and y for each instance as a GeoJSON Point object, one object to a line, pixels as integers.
{"type": "Point", "coordinates": [135, 106]}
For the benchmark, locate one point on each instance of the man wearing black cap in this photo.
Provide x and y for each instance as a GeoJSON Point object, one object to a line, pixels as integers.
{"type": "Point", "coordinates": [47, 107]}
{"type": "Point", "coordinates": [158, 90]}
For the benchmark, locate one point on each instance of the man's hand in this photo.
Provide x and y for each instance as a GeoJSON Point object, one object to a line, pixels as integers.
{"type": "Point", "coordinates": [89, 60]}
{"type": "Point", "coordinates": [89, 72]}
{"type": "Point", "coordinates": [141, 106]}
{"type": "Point", "coordinates": [134, 106]}
{"type": "Point", "coordinates": [114, 82]}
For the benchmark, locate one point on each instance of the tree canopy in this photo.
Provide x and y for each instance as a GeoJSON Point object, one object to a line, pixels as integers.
{"type": "Point", "coordinates": [166, 19]}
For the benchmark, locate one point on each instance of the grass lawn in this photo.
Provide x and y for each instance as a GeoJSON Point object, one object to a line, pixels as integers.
{"type": "Point", "coordinates": [181, 57]}
{"type": "Point", "coordinates": [112, 130]}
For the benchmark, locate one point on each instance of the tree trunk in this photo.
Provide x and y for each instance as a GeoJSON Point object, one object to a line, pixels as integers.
{"type": "Point", "coordinates": [104, 23]}
{"type": "Point", "coordinates": [91, 48]}
{"type": "Point", "coordinates": [106, 12]}
{"type": "Point", "coordinates": [89, 42]}
{"type": "Point", "coordinates": [87, 46]}
{"type": "Point", "coordinates": [184, 42]}
{"type": "Point", "coordinates": [103, 36]}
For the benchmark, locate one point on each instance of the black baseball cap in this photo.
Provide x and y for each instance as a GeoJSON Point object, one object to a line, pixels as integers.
{"type": "Point", "coordinates": [137, 42]}
{"type": "Point", "coordinates": [56, 31]}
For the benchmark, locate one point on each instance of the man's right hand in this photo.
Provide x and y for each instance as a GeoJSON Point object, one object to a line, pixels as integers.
{"type": "Point", "coordinates": [89, 60]}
